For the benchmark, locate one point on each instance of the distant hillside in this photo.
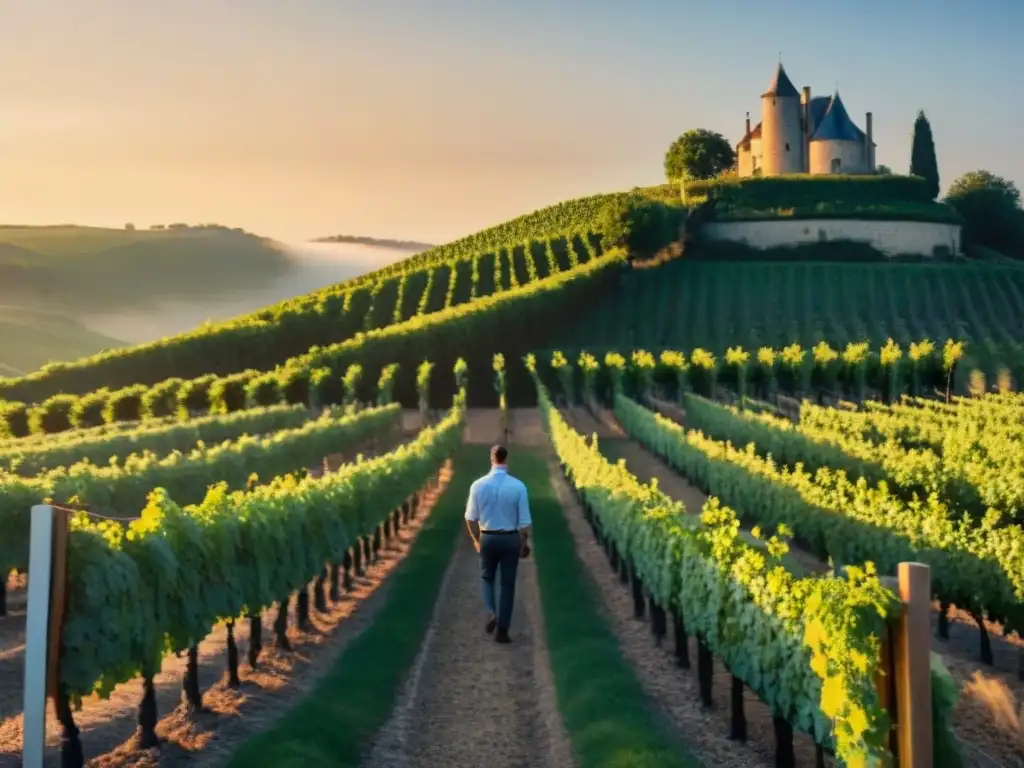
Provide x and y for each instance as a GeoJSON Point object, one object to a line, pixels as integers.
{"type": "Point", "coordinates": [53, 276]}
{"type": "Point", "coordinates": [82, 269]}
{"type": "Point", "coordinates": [404, 245]}
{"type": "Point", "coordinates": [30, 338]}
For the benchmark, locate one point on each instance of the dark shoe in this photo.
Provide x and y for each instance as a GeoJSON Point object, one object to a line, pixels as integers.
{"type": "Point", "coordinates": [491, 624]}
{"type": "Point", "coordinates": [502, 637]}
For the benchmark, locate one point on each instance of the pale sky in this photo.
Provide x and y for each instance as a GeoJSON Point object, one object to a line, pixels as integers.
{"type": "Point", "coordinates": [430, 119]}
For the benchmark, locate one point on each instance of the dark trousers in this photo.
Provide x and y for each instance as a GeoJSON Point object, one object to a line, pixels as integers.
{"type": "Point", "coordinates": [499, 551]}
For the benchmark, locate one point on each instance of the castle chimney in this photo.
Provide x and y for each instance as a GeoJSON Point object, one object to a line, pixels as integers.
{"type": "Point", "coordinates": [869, 149]}
{"type": "Point", "coordinates": [748, 126]}
{"type": "Point", "coordinates": [807, 129]}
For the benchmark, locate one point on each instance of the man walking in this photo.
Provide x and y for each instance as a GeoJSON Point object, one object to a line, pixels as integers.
{"type": "Point", "coordinates": [498, 518]}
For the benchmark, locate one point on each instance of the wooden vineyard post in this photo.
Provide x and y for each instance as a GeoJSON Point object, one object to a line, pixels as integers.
{"type": "Point", "coordinates": [912, 652]}
{"type": "Point", "coordinates": [58, 599]}
{"type": "Point", "coordinates": [43, 622]}
{"type": "Point", "coordinates": [905, 678]}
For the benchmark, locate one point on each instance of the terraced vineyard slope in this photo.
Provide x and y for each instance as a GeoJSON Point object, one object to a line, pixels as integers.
{"type": "Point", "coordinates": [715, 305]}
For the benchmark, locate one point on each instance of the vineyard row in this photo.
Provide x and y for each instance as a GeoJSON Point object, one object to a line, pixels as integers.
{"type": "Point", "coordinates": [162, 583]}
{"type": "Point", "coordinates": [976, 565]}
{"type": "Point", "coordinates": [808, 647]}
{"type": "Point", "coordinates": [687, 304]}
{"type": "Point", "coordinates": [122, 489]}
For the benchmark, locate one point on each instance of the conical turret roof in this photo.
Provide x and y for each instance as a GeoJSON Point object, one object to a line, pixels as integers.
{"type": "Point", "coordinates": [836, 125]}
{"type": "Point", "coordinates": [781, 86]}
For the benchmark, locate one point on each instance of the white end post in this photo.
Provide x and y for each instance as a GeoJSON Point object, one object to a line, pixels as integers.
{"type": "Point", "coordinates": [37, 627]}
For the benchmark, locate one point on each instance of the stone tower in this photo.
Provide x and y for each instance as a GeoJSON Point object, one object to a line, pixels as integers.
{"type": "Point", "coordinates": [838, 146]}
{"type": "Point", "coordinates": [782, 137]}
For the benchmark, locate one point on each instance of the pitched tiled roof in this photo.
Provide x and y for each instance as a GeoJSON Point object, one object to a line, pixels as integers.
{"type": "Point", "coordinates": [781, 86]}
{"type": "Point", "coordinates": [819, 106]}
{"type": "Point", "coordinates": [836, 124]}
{"type": "Point", "coordinates": [754, 134]}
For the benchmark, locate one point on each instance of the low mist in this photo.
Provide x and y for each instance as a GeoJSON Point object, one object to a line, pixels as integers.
{"type": "Point", "coordinates": [315, 265]}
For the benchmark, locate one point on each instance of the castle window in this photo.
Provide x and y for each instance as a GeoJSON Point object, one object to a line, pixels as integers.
{"type": "Point", "coordinates": [837, 165]}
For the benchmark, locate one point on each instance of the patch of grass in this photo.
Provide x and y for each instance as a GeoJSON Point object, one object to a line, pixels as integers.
{"type": "Point", "coordinates": [607, 715]}
{"type": "Point", "coordinates": [335, 724]}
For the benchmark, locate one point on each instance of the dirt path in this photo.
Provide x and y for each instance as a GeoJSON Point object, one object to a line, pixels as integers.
{"type": "Point", "coordinates": [108, 726]}
{"type": "Point", "coordinates": [470, 701]}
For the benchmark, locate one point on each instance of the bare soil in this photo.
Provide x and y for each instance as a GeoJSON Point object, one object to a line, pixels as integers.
{"type": "Point", "coordinates": [233, 715]}
{"type": "Point", "coordinates": [12, 647]}
{"type": "Point", "coordinates": [471, 701]}
{"type": "Point", "coordinates": [468, 700]}
{"type": "Point", "coordinates": [484, 427]}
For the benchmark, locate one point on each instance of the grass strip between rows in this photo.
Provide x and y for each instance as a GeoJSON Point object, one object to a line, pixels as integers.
{"type": "Point", "coordinates": [610, 720]}
{"type": "Point", "coordinates": [336, 723]}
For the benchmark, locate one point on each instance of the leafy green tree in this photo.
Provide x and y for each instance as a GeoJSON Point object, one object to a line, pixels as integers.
{"type": "Point", "coordinates": [699, 154]}
{"type": "Point", "coordinates": [991, 209]}
{"type": "Point", "coordinates": [922, 154]}
{"type": "Point", "coordinates": [640, 224]}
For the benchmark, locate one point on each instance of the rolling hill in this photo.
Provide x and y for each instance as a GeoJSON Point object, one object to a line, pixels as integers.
{"type": "Point", "coordinates": [87, 268]}
{"type": "Point", "coordinates": [29, 338]}
{"type": "Point", "coordinates": [401, 312]}
{"type": "Point", "coordinates": [679, 509]}
{"type": "Point", "coordinates": [53, 277]}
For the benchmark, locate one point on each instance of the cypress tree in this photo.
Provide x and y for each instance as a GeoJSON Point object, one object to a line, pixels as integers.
{"type": "Point", "coordinates": [922, 154]}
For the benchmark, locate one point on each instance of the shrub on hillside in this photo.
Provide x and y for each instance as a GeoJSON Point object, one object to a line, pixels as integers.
{"type": "Point", "coordinates": [325, 388]}
{"type": "Point", "coordinates": [296, 385]}
{"type": "Point", "coordinates": [194, 395]}
{"type": "Point", "coordinates": [52, 415]}
{"type": "Point", "coordinates": [642, 225]}
{"type": "Point", "coordinates": [263, 391]}
{"type": "Point", "coordinates": [125, 404]}
{"type": "Point", "coordinates": [88, 409]}
{"type": "Point", "coordinates": [13, 420]}
{"type": "Point", "coordinates": [832, 250]}
{"type": "Point", "coordinates": [839, 209]}
{"type": "Point", "coordinates": [386, 383]}
{"type": "Point", "coordinates": [761, 192]}
{"type": "Point", "coordinates": [230, 393]}
{"type": "Point", "coordinates": [161, 400]}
